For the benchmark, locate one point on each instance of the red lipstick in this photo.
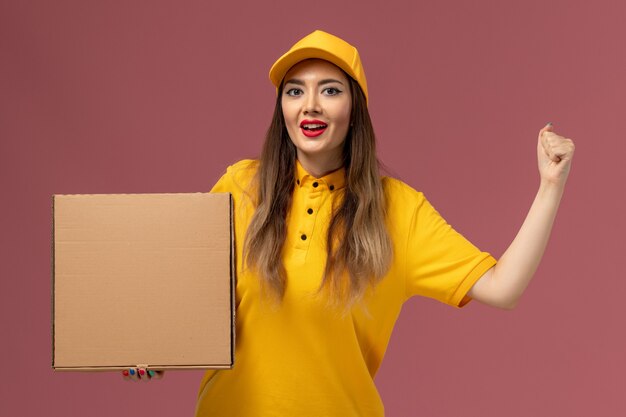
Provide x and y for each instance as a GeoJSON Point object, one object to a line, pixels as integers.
{"type": "Point", "coordinates": [312, 127]}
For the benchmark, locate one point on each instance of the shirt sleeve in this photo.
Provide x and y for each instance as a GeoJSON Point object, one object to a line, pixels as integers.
{"type": "Point", "coordinates": [441, 263]}
{"type": "Point", "coordinates": [236, 179]}
{"type": "Point", "coordinates": [223, 185]}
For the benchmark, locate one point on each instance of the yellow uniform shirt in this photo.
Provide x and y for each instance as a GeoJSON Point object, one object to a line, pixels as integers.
{"type": "Point", "coordinates": [303, 359]}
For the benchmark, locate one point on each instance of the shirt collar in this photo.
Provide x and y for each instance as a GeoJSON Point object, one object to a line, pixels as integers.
{"type": "Point", "coordinates": [332, 181]}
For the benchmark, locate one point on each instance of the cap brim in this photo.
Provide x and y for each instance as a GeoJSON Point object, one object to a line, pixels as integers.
{"type": "Point", "coordinates": [291, 58]}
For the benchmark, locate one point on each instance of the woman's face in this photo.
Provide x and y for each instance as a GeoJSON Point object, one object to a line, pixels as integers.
{"type": "Point", "coordinates": [317, 103]}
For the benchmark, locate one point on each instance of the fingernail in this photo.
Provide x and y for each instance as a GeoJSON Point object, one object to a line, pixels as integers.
{"type": "Point", "coordinates": [125, 372]}
{"type": "Point", "coordinates": [152, 373]}
{"type": "Point", "coordinates": [132, 371]}
{"type": "Point", "coordinates": [141, 372]}
{"type": "Point", "coordinates": [549, 124]}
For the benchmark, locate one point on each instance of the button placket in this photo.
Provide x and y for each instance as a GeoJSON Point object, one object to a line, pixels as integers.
{"type": "Point", "coordinates": [312, 201]}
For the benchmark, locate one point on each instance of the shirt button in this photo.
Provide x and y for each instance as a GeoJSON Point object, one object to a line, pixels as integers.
{"type": "Point", "coordinates": [303, 237]}
{"type": "Point", "coordinates": [310, 211]}
{"type": "Point", "coordinates": [332, 187]}
{"type": "Point", "coordinates": [315, 184]}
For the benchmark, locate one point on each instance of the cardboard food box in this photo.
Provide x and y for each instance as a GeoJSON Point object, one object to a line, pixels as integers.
{"type": "Point", "coordinates": [142, 280]}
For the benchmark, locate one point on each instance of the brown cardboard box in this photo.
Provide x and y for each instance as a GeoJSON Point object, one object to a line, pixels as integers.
{"type": "Point", "coordinates": [142, 279]}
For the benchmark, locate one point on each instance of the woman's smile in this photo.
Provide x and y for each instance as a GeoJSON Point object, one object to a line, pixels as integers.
{"type": "Point", "coordinates": [312, 128]}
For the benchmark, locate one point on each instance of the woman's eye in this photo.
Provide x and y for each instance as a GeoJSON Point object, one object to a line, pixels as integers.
{"type": "Point", "coordinates": [294, 92]}
{"type": "Point", "coordinates": [331, 91]}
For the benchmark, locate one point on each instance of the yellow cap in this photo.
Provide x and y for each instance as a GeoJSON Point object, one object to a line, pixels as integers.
{"type": "Point", "coordinates": [322, 45]}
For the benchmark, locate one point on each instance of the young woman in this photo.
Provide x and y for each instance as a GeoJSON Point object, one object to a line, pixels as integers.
{"type": "Point", "coordinates": [328, 250]}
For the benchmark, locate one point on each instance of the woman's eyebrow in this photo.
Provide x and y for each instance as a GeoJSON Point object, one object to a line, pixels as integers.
{"type": "Point", "coordinates": [328, 81]}
{"type": "Point", "coordinates": [294, 81]}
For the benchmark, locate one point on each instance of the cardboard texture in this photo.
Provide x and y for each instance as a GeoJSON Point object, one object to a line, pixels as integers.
{"type": "Point", "coordinates": [142, 279]}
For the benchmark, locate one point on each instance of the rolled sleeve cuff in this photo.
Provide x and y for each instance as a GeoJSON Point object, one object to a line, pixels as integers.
{"type": "Point", "coordinates": [459, 297]}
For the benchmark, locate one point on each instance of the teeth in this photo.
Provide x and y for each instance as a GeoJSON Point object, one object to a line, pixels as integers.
{"type": "Point", "coordinates": [313, 126]}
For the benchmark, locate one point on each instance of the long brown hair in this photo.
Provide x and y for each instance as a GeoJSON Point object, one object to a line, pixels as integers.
{"type": "Point", "coordinates": [359, 250]}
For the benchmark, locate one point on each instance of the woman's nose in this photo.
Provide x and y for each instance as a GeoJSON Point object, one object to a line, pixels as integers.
{"type": "Point", "coordinates": [312, 104]}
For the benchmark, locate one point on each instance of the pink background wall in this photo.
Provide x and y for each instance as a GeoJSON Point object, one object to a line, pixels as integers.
{"type": "Point", "coordinates": [137, 97]}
